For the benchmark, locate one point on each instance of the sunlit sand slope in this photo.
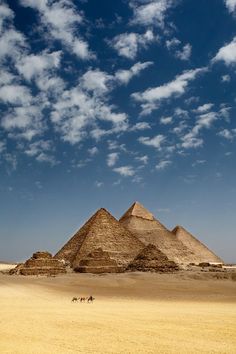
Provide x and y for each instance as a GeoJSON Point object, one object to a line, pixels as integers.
{"type": "Point", "coordinates": [132, 313]}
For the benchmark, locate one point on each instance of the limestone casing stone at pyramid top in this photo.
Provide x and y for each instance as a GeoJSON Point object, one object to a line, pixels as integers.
{"type": "Point", "coordinates": [138, 210]}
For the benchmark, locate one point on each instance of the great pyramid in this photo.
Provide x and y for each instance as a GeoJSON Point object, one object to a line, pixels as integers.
{"type": "Point", "coordinates": [151, 259]}
{"type": "Point", "coordinates": [193, 244]}
{"type": "Point", "coordinates": [102, 230]}
{"type": "Point", "coordinates": [97, 261]}
{"type": "Point", "coordinates": [144, 226]}
{"type": "Point", "coordinates": [41, 263]}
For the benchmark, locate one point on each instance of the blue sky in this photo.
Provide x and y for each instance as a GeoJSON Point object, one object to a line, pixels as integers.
{"type": "Point", "coordinates": [104, 105]}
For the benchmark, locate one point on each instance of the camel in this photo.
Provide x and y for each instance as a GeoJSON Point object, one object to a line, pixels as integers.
{"type": "Point", "coordinates": [90, 299]}
{"type": "Point", "coordinates": [75, 299]}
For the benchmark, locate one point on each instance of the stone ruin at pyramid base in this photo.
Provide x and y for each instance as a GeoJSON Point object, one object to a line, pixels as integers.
{"type": "Point", "coordinates": [98, 261]}
{"type": "Point", "coordinates": [151, 259]}
{"type": "Point", "coordinates": [41, 263]}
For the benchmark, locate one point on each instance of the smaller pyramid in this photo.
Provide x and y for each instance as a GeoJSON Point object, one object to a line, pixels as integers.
{"type": "Point", "coordinates": [41, 263]}
{"type": "Point", "coordinates": [97, 261]}
{"type": "Point", "coordinates": [139, 211]}
{"type": "Point", "coordinates": [151, 259]}
{"type": "Point", "coordinates": [194, 245]}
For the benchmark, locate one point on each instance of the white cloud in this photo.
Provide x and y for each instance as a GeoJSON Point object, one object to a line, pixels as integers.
{"type": "Point", "coordinates": [225, 78]}
{"type": "Point", "coordinates": [43, 157]}
{"type": "Point", "coordinates": [33, 66]}
{"type": "Point", "coordinates": [140, 126]}
{"type": "Point", "coordinates": [166, 120]}
{"type": "Point", "coordinates": [96, 80]}
{"type": "Point", "coordinates": [93, 151]}
{"type": "Point", "coordinates": [151, 98]}
{"type": "Point", "coordinates": [204, 108]}
{"type": "Point", "coordinates": [172, 43]}
{"type": "Point", "coordinates": [155, 142]}
{"type": "Point", "coordinates": [25, 122]}
{"type": "Point", "coordinates": [163, 164]}
{"type": "Point", "coordinates": [185, 53]}
{"type": "Point", "coordinates": [12, 44]}
{"type": "Point", "coordinates": [2, 146]}
{"type": "Point", "coordinates": [227, 53]}
{"type": "Point", "coordinates": [198, 162]}
{"type": "Point", "coordinates": [128, 44]}
{"type": "Point", "coordinates": [231, 5]}
{"type": "Point", "coordinates": [205, 120]}
{"type": "Point", "coordinates": [98, 184]}
{"type": "Point", "coordinates": [228, 134]}
{"type": "Point", "coordinates": [191, 139]}
{"type": "Point", "coordinates": [143, 159]}
{"type": "Point", "coordinates": [61, 21]}
{"type": "Point", "coordinates": [77, 109]}
{"type": "Point", "coordinates": [15, 94]}
{"type": "Point", "coordinates": [6, 14]}
{"type": "Point", "coordinates": [150, 13]}
{"type": "Point", "coordinates": [112, 158]}
{"type": "Point", "coordinates": [6, 78]}
{"type": "Point", "coordinates": [37, 147]}
{"type": "Point", "coordinates": [42, 151]}
{"type": "Point", "coordinates": [124, 76]}
{"type": "Point", "coordinates": [114, 145]}
{"type": "Point", "coordinates": [125, 171]}
{"type": "Point", "coordinates": [180, 128]}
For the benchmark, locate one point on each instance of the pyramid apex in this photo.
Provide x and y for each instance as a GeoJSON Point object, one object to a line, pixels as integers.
{"type": "Point", "coordinates": [138, 210]}
{"type": "Point", "coordinates": [102, 211]}
{"type": "Point", "coordinates": [177, 227]}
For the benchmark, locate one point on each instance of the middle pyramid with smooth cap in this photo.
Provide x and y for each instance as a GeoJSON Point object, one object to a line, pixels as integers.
{"type": "Point", "coordinates": [101, 231]}
{"type": "Point", "coordinates": [149, 230]}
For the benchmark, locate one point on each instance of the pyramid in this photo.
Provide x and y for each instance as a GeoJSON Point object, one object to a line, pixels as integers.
{"type": "Point", "coordinates": [41, 263]}
{"type": "Point", "coordinates": [104, 231]}
{"type": "Point", "coordinates": [193, 244]}
{"type": "Point", "coordinates": [151, 259]}
{"type": "Point", "coordinates": [97, 262]}
{"type": "Point", "coordinates": [144, 226]}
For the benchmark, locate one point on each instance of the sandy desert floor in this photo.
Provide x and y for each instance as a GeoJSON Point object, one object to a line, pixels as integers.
{"type": "Point", "coordinates": [132, 313]}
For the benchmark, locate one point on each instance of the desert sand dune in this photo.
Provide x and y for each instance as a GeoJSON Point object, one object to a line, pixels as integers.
{"type": "Point", "coordinates": [132, 313]}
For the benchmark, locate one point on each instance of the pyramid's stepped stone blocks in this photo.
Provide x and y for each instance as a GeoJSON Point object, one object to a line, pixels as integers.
{"type": "Point", "coordinates": [193, 244]}
{"type": "Point", "coordinates": [97, 261]}
{"type": "Point", "coordinates": [41, 263]}
{"type": "Point", "coordinates": [150, 231]}
{"type": "Point", "coordinates": [151, 259]}
{"type": "Point", "coordinates": [104, 231]}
